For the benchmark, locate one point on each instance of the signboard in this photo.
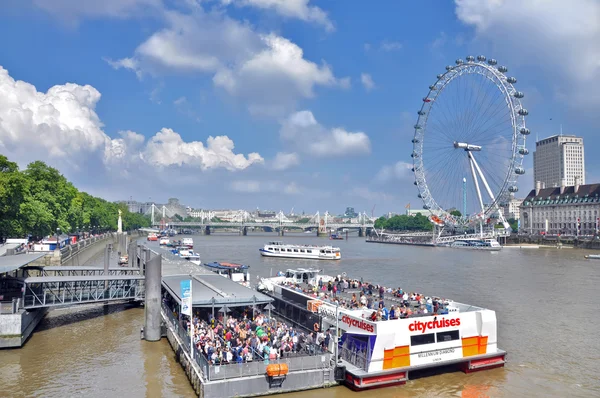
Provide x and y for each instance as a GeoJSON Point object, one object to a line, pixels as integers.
{"type": "Point", "coordinates": [186, 297]}
{"type": "Point", "coordinates": [357, 325]}
{"type": "Point", "coordinates": [327, 311]}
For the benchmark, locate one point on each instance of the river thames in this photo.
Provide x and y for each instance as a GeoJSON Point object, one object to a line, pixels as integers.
{"type": "Point", "coordinates": [545, 302]}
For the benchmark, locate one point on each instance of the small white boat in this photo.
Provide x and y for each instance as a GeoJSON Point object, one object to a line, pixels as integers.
{"type": "Point", "coordinates": [189, 255]}
{"type": "Point", "coordinates": [163, 241]}
{"type": "Point", "coordinates": [310, 252]}
{"type": "Point", "coordinates": [593, 256]}
{"type": "Point", "coordinates": [187, 242]}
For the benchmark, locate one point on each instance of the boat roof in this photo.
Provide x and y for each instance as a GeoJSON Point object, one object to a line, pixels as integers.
{"type": "Point", "coordinates": [303, 270]}
{"type": "Point", "coordinates": [221, 265]}
{"type": "Point", "coordinates": [277, 243]}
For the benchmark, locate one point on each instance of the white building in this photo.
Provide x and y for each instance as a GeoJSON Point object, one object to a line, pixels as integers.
{"type": "Point", "coordinates": [511, 209]}
{"type": "Point", "coordinates": [566, 210]}
{"type": "Point", "coordinates": [557, 158]}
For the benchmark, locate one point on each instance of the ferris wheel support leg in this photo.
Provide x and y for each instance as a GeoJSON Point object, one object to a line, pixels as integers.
{"type": "Point", "coordinates": [472, 162]}
{"type": "Point", "coordinates": [489, 191]}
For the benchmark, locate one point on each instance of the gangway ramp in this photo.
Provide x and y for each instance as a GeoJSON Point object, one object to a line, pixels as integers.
{"type": "Point", "coordinates": [55, 291]}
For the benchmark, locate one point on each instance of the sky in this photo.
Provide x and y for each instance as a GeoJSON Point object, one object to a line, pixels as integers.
{"type": "Point", "coordinates": [273, 104]}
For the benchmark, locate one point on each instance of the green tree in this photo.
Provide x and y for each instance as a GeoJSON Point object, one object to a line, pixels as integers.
{"type": "Point", "coordinates": [13, 191]}
{"type": "Point", "coordinates": [456, 213]}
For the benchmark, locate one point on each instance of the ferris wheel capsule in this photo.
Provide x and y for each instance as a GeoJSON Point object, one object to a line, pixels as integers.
{"type": "Point", "coordinates": [492, 62]}
{"type": "Point", "coordinates": [502, 69]}
{"type": "Point", "coordinates": [449, 67]}
{"type": "Point", "coordinates": [511, 80]}
{"type": "Point", "coordinates": [513, 189]}
{"type": "Point", "coordinates": [439, 76]}
{"type": "Point", "coordinates": [481, 58]}
{"type": "Point", "coordinates": [520, 170]}
{"type": "Point", "coordinates": [459, 61]}
{"type": "Point", "coordinates": [470, 58]}
{"type": "Point", "coordinates": [518, 94]}
{"type": "Point", "coordinates": [523, 112]}
{"type": "Point", "coordinates": [525, 131]}
{"type": "Point", "coordinates": [421, 113]}
{"type": "Point", "coordinates": [524, 151]}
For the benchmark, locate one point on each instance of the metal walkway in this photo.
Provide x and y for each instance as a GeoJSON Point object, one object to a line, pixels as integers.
{"type": "Point", "coordinates": [78, 271]}
{"type": "Point", "coordinates": [54, 291]}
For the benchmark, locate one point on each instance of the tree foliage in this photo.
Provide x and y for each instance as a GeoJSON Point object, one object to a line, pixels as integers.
{"type": "Point", "coordinates": [38, 200]}
{"type": "Point", "coordinates": [418, 222]}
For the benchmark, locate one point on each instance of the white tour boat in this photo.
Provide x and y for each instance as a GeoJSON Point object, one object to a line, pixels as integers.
{"type": "Point", "coordinates": [236, 272]}
{"type": "Point", "coordinates": [593, 256]}
{"type": "Point", "coordinates": [489, 244]}
{"type": "Point", "coordinates": [280, 249]}
{"type": "Point", "coordinates": [387, 352]}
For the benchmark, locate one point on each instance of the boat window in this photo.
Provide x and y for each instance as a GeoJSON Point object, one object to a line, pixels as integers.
{"type": "Point", "coordinates": [269, 248]}
{"type": "Point", "coordinates": [421, 339]}
{"type": "Point", "coordinates": [447, 336]}
{"type": "Point", "coordinates": [295, 250]}
{"type": "Point", "coordinates": [301, 250]}
{"type": "Point", "coordinates": [289, 250]}
{"type": "Point", "coordinates": [276, 249]}
{"type": "Point", "coordinates": [322, 251]}
{"type": "Point", "coordinates": [309, 251]}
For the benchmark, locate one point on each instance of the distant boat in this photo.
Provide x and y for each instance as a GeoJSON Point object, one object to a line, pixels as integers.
{"type": "Point", "coordinates": [593, 256]}
{"type": "Point", "coordinates": [279, 249]}
{"type": "Point", "coordinates": [336, 237]}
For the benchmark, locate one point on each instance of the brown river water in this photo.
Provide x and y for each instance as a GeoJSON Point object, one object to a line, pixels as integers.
{"type": "Point", "coordinates": [545, 302]}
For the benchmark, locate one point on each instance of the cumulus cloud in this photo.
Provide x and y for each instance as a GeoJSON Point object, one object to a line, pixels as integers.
{"type": "Point", "coordinates": [398, 171]}
{"type": "Point", "coordinates": [303, 130]}
{"type": "Point", "coordinates": [558, 37]}
{"type": "Point", "coordinates": [62, 125]}
{"type": "Point", "coordinates": [267, 71]}
{"type": "Point", "coordinates": [167, 148]}
{"type": "Point", "coordinates": [367, 81]}
{"type": "Point", "coordinates": [284, 161]}
{"type": "Point", "coordinates": [298, 9]}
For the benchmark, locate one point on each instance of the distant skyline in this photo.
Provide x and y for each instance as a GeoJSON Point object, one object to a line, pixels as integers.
{"type": "Point", "coordinates": [274, 104]}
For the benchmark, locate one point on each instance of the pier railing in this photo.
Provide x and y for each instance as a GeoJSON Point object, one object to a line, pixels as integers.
{"type": "Point", "coordinates": [256, 367]}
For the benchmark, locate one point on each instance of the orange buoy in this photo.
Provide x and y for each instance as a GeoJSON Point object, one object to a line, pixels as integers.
{"type": "Point", "coordinates": [277, 369]}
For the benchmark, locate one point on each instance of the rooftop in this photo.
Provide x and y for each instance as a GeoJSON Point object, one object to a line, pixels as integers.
{"type": "Point", "coordinates": [214, 290]}
{"type": "Point", "coordinates": [11, 263]}
{"type": "Point", "coordinates": [589, 193]}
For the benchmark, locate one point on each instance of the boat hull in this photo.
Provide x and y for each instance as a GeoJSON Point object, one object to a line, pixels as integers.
{"type": "Point", "coordinates": [484, 248]}
{"type": "Point", "coordinates": [267, 253]}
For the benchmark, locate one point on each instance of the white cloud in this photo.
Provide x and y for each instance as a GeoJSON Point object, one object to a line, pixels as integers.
{"type": "Point", "coordinates": [267, 71]}
{"type": "Point", "coordinates": [256, 186]}
{"type": "Point", "coordinates": [291, 9]}
{"type": "Point", "coordinates": [559, 38]}
{"type": "Point", "coordinates": [167, 148]}
{"type": "Point", "coordinates": [367, 81]}
{"type": "Point", "coordinates": [284, 161]}
{"type": "Point", "coordinates": [398, 171]}
{"type": "Point", "coordinates": [71, 11]}
{"type": "Point", "coordinates": [303, 130]}
{"type": "Point", "coordinates": [61, 125]}
{"type": "Point", "coordinates": [391, 45]}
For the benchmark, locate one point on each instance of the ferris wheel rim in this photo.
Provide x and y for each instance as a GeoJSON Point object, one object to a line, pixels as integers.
{"type": "Point", "coordinates": [511, 96]}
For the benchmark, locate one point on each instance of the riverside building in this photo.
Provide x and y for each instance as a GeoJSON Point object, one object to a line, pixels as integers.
{"type": "Point", "coordinates": [567, 210]}
{"type": "Point", "coordinates": [557, 158]}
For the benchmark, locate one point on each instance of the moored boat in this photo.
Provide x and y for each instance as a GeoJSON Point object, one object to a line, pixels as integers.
{"type": "Point", "coordinates": [336, 237]}
{"type": "Point", "coordinates": [187, 242]}
{"type": "Point", "coordinates": [123, 260]}
{"type": "Point", "coordinates": [280, 249]}
{"type": "Point", "coordinates": [152, 237]}
{"type": "Point", "coordinates": [164, 241]}
{"type": "Point", "coordinates": [490, 244]}
{"type": "Point", "coordinates": [593, 256]}
{"type": "Point", "coordinates": [375, 351]}
{"type": "Point", "coordinates": [236, 272]}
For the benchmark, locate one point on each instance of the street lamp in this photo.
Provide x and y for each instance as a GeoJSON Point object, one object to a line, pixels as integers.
{"type": "Point", "coordinates": [57, 242]}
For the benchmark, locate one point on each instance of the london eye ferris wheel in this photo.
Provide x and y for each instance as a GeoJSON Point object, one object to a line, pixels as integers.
{"type": "Point", "coordinates": [469, 143]}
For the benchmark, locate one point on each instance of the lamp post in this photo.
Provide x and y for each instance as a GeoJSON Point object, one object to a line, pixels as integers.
{"type": "Point", "coordinates": [337, 325]}
{"type": "Point", "coordinates": [57, 242]}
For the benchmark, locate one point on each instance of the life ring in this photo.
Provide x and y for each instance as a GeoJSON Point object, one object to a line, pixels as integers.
{"type": "Point", "coordinates": [316, 327]}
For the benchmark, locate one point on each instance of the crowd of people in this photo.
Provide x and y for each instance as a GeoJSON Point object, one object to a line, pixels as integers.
{"type": "Point", "coordinates": [356, 294]}
{"type": "Point", "coordinates": [248, 335]}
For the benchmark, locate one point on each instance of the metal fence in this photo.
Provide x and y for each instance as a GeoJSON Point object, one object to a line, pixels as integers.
{"type": "Point", "coordinates": [295, 362]}
{"type": "Point", "coordinates": [70, 250]}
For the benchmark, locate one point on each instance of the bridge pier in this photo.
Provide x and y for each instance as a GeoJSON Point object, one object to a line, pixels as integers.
{"type": "Point", "coordinates": [280, 232]}
{"type": "Point", "coordinates": [152, 305]}
{"type": "Point", "coordinates": [362, 232]}
{"type": "Point", "coordinates": [244, 231]}
{"type": "Point", "coordinates": [207, 230]}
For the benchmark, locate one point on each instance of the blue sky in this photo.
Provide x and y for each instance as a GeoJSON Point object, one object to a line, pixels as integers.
{"type": "Point", "coordinates": [310, 103]}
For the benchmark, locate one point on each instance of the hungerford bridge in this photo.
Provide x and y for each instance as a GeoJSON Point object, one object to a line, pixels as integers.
{"type": "Point", "coordinates": [322, 225]}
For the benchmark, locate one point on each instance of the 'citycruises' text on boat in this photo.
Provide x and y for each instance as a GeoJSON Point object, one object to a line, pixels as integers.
{"type": "Point", "coordinates": [236, 272]}
{"type": "Point", "coordinates": [376, 352]}
{"type": "Point", "coordinates": [280, 249]}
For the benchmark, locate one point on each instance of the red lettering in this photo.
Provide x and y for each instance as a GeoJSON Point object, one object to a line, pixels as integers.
{"type": "Point", "coordinates": [423, 326]}
{"type": "Point", "coordinates": [357, 323]}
